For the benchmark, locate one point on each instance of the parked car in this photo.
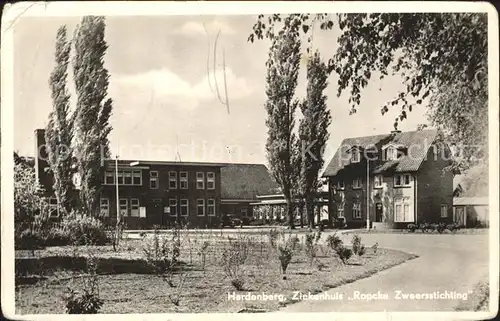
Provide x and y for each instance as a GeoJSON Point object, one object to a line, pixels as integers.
{"type": "Point", "coordinates": [231, 221]}
{"type": "Point", "coordinates": [340, 223]}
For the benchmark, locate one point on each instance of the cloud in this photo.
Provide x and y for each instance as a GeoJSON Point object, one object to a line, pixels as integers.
{"type": "Point", "coordinates": [166, 87]}
{"type": "Point", "coordinates": [195, 28]}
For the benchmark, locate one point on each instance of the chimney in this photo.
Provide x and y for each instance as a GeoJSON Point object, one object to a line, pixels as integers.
{"type": "Point", "coordinates": [41, 160]}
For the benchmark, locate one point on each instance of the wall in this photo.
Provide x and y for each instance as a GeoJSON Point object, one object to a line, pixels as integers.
{"type": "Point", "coordinates": [155, 200]}
{"type": "Point", "coordinates": [235, 208]}
{"type": "Point", "coordinates": [434, 187]}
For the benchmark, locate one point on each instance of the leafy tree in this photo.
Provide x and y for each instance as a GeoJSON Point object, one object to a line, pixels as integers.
{"type": "Point", "coordinates": [29, 203]}
{"type": "Point", "coordinates": [93, 108]}
{"type": "Point", "coordinates": [441, 56]}
{"type": "Point", "coordinates": [281, 82]}
{"type": "Point", "coordinates": [313, 132]}
{"type": "Point", "coordinates": [58, 133]}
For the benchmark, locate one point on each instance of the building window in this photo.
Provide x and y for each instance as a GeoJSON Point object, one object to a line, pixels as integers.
{"type": "Point", "coordinates": [120, 178]}
{"type": "Point", "coordinates": [355, 156]}
{"type": "Point", "coordinates": [340, 185]}
{"type": "Point", "coordinates": [211, 180]}
{"type": "Point", "coordinates": [356, 210]}
{"type": "Point", "coordinates": [134, 207]}
{"type": "Point", "coordinates": [137, 177]}
{"type": "Point", "coordinates": [200, 207]}
{"type": "Point", "coordinates": [183, 180]}
{"type": "Point", "coordinates": [172, 203]}
{"type": "Point", "coordinates": [444, 210]}
{"type": "Point", "coordinates": [53, 208]}
{"type": "Point", "coordinates": [109, 178]}
{"type": "Point", "coordinates": [172, 180]}
{"type": "Point", "coordinates": [340, 210]}
{"type": "Point", "coordinates": [244, 211]}
{"type": "Point", "coordinates": [356, 183]}
{"type": "Point", "coordinates": [391, 153]}
{"type": "Point", "coordinates": [200, 180]}
{"type": "Point", "coordinates": [377, 183]}
{"type": "Point", "coordinates": [402, 212]}
{"type": "Point", "coordinates": [402, 180]}
{"type": "Point", "coordinates": [154, 180]}
{"type": "Point", "coordinates": [211, 207]}
{"type": "Point", "coordinates": [184, 207]}
{"type": "Point", "coordinates": [127, 178]}
{"type": "Point", "coordinates": [104, 207]}
{"type": "Point", "coordinates": [123, 206]}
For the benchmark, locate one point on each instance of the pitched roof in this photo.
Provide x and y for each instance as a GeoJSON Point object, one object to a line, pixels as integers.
{"type": "Point", "coordinates": [470, 201]}
{"type": "Point", "coordinates": [246, 181]}
{"type": "Point", "coordinates": [417, 142]}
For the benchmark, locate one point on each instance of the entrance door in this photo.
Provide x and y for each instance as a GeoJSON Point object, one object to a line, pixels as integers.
{"type": "Point", "coordinates": [379, 211]}
{"type": "Point", "coordinates": [460, 218]}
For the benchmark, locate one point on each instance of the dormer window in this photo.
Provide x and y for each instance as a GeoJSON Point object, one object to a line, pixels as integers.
{"type": "Point", "coordinates": [393, 152]}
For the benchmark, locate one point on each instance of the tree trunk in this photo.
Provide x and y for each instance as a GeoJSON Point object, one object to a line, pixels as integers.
{"type": "Point", "coordinates": [310, 211]}
{"type": "Point", "coordinates": [289, 213]}
{"type": "Point", "coordinates": [301, 211]}
{"type": "Point", "coordinates": [318, 209]}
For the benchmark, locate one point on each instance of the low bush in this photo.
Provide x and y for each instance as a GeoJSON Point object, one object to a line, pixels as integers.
{"type": "Point", "coordinates": [333, 241]}
{"type": "Point", "coordinates": [344, 254]}
{"type": "Point", "coordinates": [356, 244]}
{"type": "Point", "coordinates": [84, 230]}
{"type": "Point", "coordinates": [29, 239]}
{"type": "Point", "coordinates": [87, 301]}
{"type": "Point", "coordinates": [57, 237]}
{"type": "Point", "coordinates": [412, 228]}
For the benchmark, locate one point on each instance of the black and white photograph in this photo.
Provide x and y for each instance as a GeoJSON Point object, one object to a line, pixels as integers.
{"type": "Point", "coordinates": [178, 158]}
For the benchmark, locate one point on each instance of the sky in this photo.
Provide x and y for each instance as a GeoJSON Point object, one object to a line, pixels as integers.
{"type": "Point", "coordinates": [162, 82]}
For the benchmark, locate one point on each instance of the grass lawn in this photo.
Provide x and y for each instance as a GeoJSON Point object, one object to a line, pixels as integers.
{"type": "Point", "coordinates": [203, 290]}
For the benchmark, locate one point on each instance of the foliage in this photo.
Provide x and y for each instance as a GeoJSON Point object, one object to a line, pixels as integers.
{"type": "Point", "coordinates": [163, 254]}
{"type": "Point", "coordinates": [285, 253]}
{"type": "Point", "coordinates": [238, 283]}
{"type": "Point", "coordinates": [357, 246]}
{"type": "Point", "coordinates": [311, 244]}
{"type": "Point", "coordinates": [412, 227]}
{"type": "Point", "coordinates": [202, 252]}
{"type": "Point", "coordinates": [344, 254]}
{"type": "Point", "coordinates": [84, 230]}
{"type": "Point", "coordinates": [57, 236]}
{"type": "Point", "coordinates": [59, 130]}
{"type": "Point", "coordinates": [441, 56]}
{"type": "Point", "coordinates": [375, 247]}
{"type": "Point", "coordinates": [28, 197]}
{"type": "Point", "coordinates": [273, 237]}
{"type": "Point", "coordinates": [93, 109]}
{"type": "Point", "coordinates": [29, 239]}
{"type": "Point", "coordinates": [88, 300]}
{"type": "Point", "coordinates": [313, 132]}
{"type": "Point", "coordinates": [333, 241]}
{"type": "Point", "coordinates": [281, 82]}
{"type": "Point", "coordinates": [232, 260]}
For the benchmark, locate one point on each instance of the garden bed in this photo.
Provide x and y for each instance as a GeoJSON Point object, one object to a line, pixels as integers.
{"type": "Point", "coordinates": [204, 289]}
{"type": "Point", "coordinates": [472, 231]}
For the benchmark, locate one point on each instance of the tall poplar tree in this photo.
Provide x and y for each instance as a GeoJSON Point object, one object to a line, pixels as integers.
{"type": "Point", "coordinates": [59, 130]}
{"type": "Point", "coordinates": [313, 132]}
{"type": "Point", "coordinates": [281, 82]}
{"type": "Point", "coordinates": [93, 108]}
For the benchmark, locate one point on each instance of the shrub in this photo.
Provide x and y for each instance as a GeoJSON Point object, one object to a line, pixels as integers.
{"type": "Point", "coordinates": [84, 229]}
{"type": "Point", "coordinates": [375, 247]}
{"type": "Point", "coordinates": [273, 237]}
{"type": "Point", "coordinates": [411, 228]}
{"type": "Point", "coordinates": [344, 254]}
{"type": "Point", "coordinates": [238, 283]}
{"type": "Point", "coordinates": [311, 244]}
{"type": "Point", "coordinates": [424, 227]}
{"type": "Point", "coordinates": [57, 237]}
{"type": "Point", "coordinates": [88, 300]}
{"type": "Point", "coordinates": [362, 250]}
{"type": "Point", "coordinates": [356, 244]}
{"type": "Point", "coordinates": [162, 254]}
{"type": "Point", "coordinates": [285, 253]}
{"type": "Point", "coordinates": [232, 259]}
{"type": "Point", "coordinates": [29, 239]}
{"type": "Point", "coordinates": [203, 254]}
{"type": "Point", "coordinates": [333, 241]}
{"type": "Point", "coordinates": [441, 227]}
{"type": "Point", "coordinates": [453, 227]}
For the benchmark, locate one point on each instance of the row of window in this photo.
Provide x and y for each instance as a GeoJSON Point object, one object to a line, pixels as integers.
{"type": "Point", "coordinates": [173, 208]}
{"type": "Point", "coordinates": [400, 180]}
{"type": "Point", "coordinates": [402, 211]}
{"type": "Point", "coordinates": [134, 178]}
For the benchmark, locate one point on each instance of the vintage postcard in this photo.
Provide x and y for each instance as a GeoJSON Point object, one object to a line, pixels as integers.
{"type": "Point", "coordinates": [189, 160]}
